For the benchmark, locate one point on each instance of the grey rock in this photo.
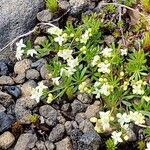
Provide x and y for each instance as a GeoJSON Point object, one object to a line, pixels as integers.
{"type": "Point", "coordinates": [86, 126]}
{"type": "Point", "coordinates": [49, 145]}
{"type": "Point", "coordinates": [40, 145]}
{"type": "Point", "coordinates": [64, 5]}
{"type": "Point", "coordinates": [40, 40]}
{"type": "Point", "coordinates": [5, 121]}
{"type": "Point", "coordinates": [84, 98]}
{"type": "Point", "coordinates": [61, 119]}
{"type": "Point", "coordinates": [23, 109]}
{"type": "Point", "coordinates": [64, 144]}
{"type": "Point", "coordinates": [50, 114]}
{"type": "Point", "coordinates": [6, 80]}
{"type": "Point", "coordinates": [44, 72]}
{"type": "Point", "coordinates": [6, 140]}
{"type": "Point", "coordinates": [75, 135]}
{"type": "Point", "coordinates": [22, 66]}
{"type": "Point", "coordinates": [17, 17]}
{"type": "Point", "coordinates": [44, 15]}
{"type": "Point", "coordinates": [26, 141]}
{"type": "Point", "coordinates": [5, 99]}
{"type": "Point", "coordinates": [80, 117]}
{"type": "Point", "coordinates": [20, 78]}
{"type": "Point", "coordinates": [65, 107]}
{"type": "Point", "coordinates": [70, 125]}
{"type": "Point", "coordinates": [57, 133]}
{"type": "Point", "coordinates": [92, 110]}
{"type": "Point", "coordinates": [77, 107]}
{"type": "Point", "coordinates": [27, 87]}
{"type": "Point", "coordinates": [2, 108]}
{"type": "Point", "coordinates": [39, 63]}
{"type": "Point", "coordinates": [89, 141]}
{"type": "Point", "coordinates": [32, 74]}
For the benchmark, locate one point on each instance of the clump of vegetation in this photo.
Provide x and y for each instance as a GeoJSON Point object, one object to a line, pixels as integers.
{"type": "Point", "coordinates": [146, 5]}
{"type": "Point", "coordinates": [82, 63]}
{"type": "Point", "coordinates": [52, 5]}
{"type": "Point", "coordinates": [146, 41]}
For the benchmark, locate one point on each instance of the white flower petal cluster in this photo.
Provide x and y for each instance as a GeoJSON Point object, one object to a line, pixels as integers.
{"type": "Point", "coordinates": [19, 50]}
{"type": "Point", "coordinates": [138, 87]}
{"type": "Point", "coordinates": [65, 54]}
{"type": "Point", "coordinates": [38, 91]}
{"type": "Point", "coordinates": [31, 52]}
{"type": "Point", "coordinates": [123, 119]}
{"type": "Point", "coordinates": [56, 80]}
{"type": "Point", "coordinates": [84, 87]}
{"type": "Point", "coordinates": [116, 136]}
{"type": "Point", "coordinates": [137, 117]}
{"type": "Point", "coordinates": [95, 60]}
{"type": "Point", "coordinates": [85, 36]}
{"type": "Point", "coordinates": [104, 67]}
{"type": "Point", "coordinates": [55, 31]}
{"type": "Point", "coordinates": [147, 146]}
{"type": "Point", "coordinates": [73, 62]}
{"type": "Point", "coordinates": [107, 52]}
{"type": "Point", "coordinates": [124, 52]}
{"type": "Point", "coordinates": [67, 71]}
{"type": "Point", "coordinates": [105, 118]}
{"type": "Point", "coordinates": [50, 98]}
{"type": "Point", "coordinates": [146, 98]}
{"type": "Point", "coordinates": [106, 89]}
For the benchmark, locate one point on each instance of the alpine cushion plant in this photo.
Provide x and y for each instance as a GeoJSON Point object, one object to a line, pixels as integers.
{"type": "Point", "coordinates": [114, 74]}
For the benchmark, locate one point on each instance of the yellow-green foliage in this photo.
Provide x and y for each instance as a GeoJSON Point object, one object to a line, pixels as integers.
{"type": "Point", "coordinates": [146, 5]}
{"type": "Point", "coordinates": [146, 41]}
{"type": "Point", "coordinates": [52, 5]}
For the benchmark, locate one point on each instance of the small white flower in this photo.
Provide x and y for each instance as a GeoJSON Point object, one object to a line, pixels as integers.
{"type": "Point", "coordinates": [65, 54]}
{"type": "Point", "coordinates": [56, 80]}
{"type": "Point", "coordinates": [123, 118]}
{"type": "Point", "coordinates": [20, 44]}
{"type": "Point", "coordinates": [147, 146]}
{"type": "Point", "coordinates": [124, 52]}
{"type": "Point", "coordinates": [137, 87]}
{"type": "Point", "coordinates": [19, 50]}
{"type": "Point", "coordinates": [104, 67]}
{"type": "Point", "coordinates": [59, 40]}
{"type": "Point", "coordinates": [97, 92]}
{"type": "Point", "coordinates": [146, 98]}
{"type": "Point", "coordinates": [107, 52]}
{"type": "Point", "coordinates": [95, 60]}
{"type": "Point", "coordinates": [137, 117]}
{"type": "Point", "coordinates": [116, 136]}
{"type": "Point", "coordinates": [85, 36]}
{"type": "Point", "coordinates": [41, 87]}
{"type": "Point", "coordinates": [105, 89]}
{"type": "Point", "coordinates": [31, 52]}
{"type": "Point", "coordinates": [55, 30]}
{"type": "Point", "coordinates": [68, 71]}
{"type": "Point", "coordinates": [73, 62]}
{"type": "Point", "coordinates": [50, 98]}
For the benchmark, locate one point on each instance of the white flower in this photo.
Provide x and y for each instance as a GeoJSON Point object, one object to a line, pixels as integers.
{"type": "Point", "coordinates": [105, 119]}
{"type": "Point", "coordinates": [85, 36]}
{"type": "Point", "coordinates": [31, 52]}
{"type": "Point", "coordinates": [82, 87]}
{"type": "Point", "coordinates": [56, 80]}
{"type": "Point", "coordinates": [104, 67]}
{"type": "Point", "coordinates": [147, 146]}
{"type": "Point", "coordinates": [55, 30]}
{"type": "Point", "coordinates": [19, 54]}
{"type": "Point", "coordinates": [124, 52]}
{"type": "Point", "coordinates": [73, 62]}
{"type": "Point", "coordinates": [50, 98]}
{"type": "Point", "coordinates": [123, 118]}
{"type": "Point", "coordinates": [107, 52]}
{"type": "Point", "coordinates": [59, 40]}
{"type": "Point", "coordinates": [116, 136]}
{"type": "Point", "coordinates": [65, 54]}
{"type": "Point", "coordinates": [83, 49]}
{"type": "Point", "coordinates": [137, 87]}
{"type": "Point", "coordinates": [68, 71]}
{"type": "Point", "coordinates": [95, 60]}
{"type": "Point", "coordinates": [97, 92]}
{"type": "Point", "coordinates": [19, 50]}
{"type": "Point", "coordinates": [137, 117]}
{"type": "Point", "coordinates": [20, 44]}
{"type": "Point", "coordinates": [38, 91]}
{"type": "Point", "coordinates": [146, 98]}
{"type": "Point", "coordinates": [105, 89]}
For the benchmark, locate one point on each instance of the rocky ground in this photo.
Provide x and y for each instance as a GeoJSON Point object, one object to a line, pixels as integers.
{"type": "Point", "coordinates": [26, 124]}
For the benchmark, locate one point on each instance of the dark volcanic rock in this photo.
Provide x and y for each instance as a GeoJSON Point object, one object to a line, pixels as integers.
{"type": "Point", "coordinates": [14, 91]}
{"type": "Point", "coordinates": [89, 141]}
{"type": "Point", "coordinates": [3, 68]}
{"type": "Point", "coordinates": [5, 121]}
